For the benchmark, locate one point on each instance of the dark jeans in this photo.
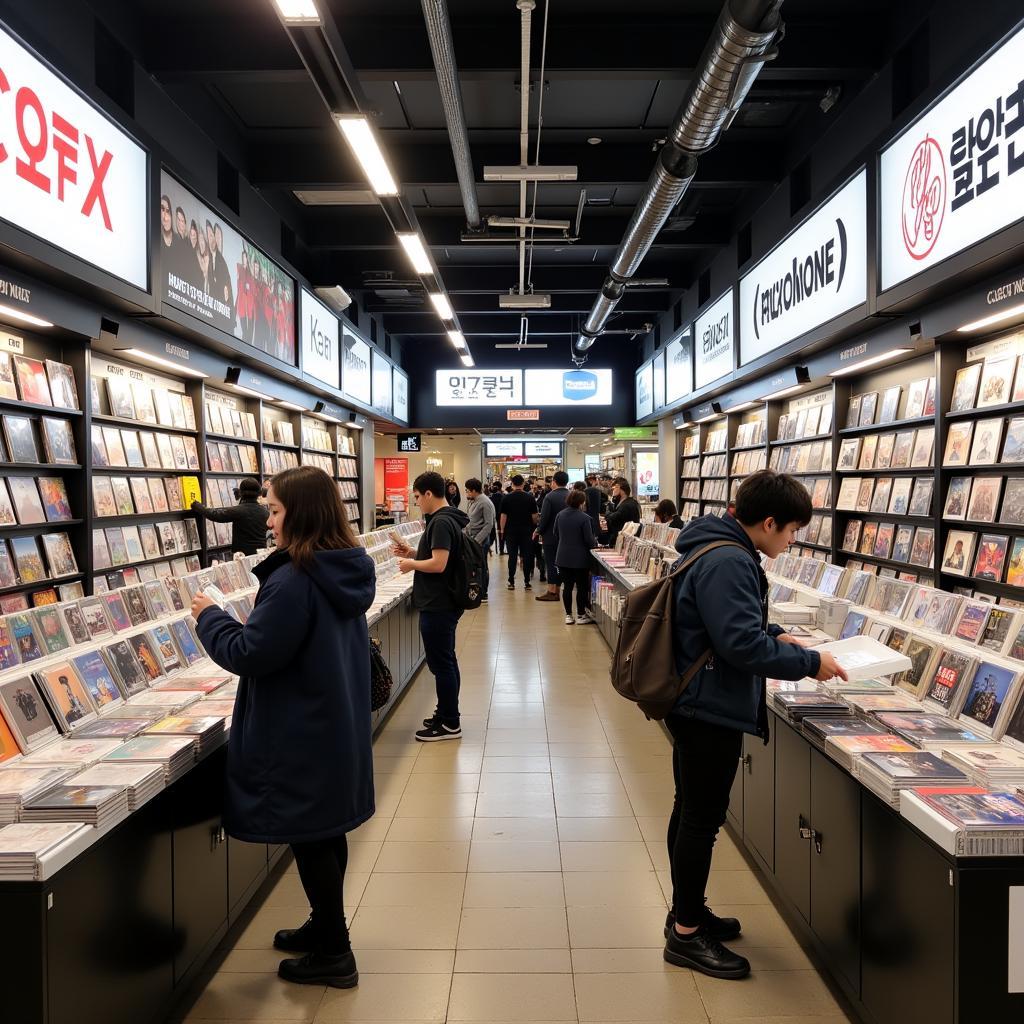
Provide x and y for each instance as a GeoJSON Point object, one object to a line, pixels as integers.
{"type": "Point", "coordinates": [704, 761]}
{"type": "Point", "coordinates": [438, 632]}
{"type": "Point", "coordinates": [487, 569]}
{"type": "Point", "coordinates": [554, 572]}
{"type": "Point", "coordinates": [519, 547]}
{"type": "Point", "coordinates": [580, 579]}
{"type": "Point", "coordinates": [538, 557]}
{"type": "Point", "coordinates": [322, 873]}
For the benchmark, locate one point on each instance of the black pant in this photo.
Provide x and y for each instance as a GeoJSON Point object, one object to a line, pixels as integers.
{"type": "Point", "coordinates": [438, 631]}
{"type": "Point", "coordinates": [322, 873]}
{"type": "Point", "coordinates": [538, 557]}
{"type": "Point", "coordinates": [519, 547]}
{"type": "Point", "coordinates": [580, 579]}
{"type": "Point", "coordinates": [549, 560]}
{"type": "Point", "coordinates": [704, 762]}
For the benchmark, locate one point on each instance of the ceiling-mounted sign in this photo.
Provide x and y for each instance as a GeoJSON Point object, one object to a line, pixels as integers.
{"type": "Point", "coordinates": [381, 384]}
{"type": "Point", "coordinates": [410, 443]}
{"type": "Point", "coordinates": [816, 273]}
{"type": "Point", "coordinates": [400, 395]}
{"type": "Point", "coordinates": [355, 367]}
{"type": "Point", "coordinates": [503, 449]}
{"type": "Point", "coordinates": [659, 381]}
{"type": "Point", "coordinates": [568, 387]}
{"type": "Point", "coordinates": [478, 387]}
{"type": "Point", "coordinates": [208, 270]}
{"type": "Point", "coordinates": [956, 175]}
{"type": "Point", "coordinates": [68, 174]}
{"type": "Point", "coordinates": [522, 414]}
{"type": "Point", "coordinates": [678, 369]}
{"type": "Point", "coordinates": [319, 333]}
{"type": "Point", "coordinates": [645, 390]}
{"type": "Point", "coordinates": [543, 449]}
{"type": "Point", "coordinates": [714, 344]}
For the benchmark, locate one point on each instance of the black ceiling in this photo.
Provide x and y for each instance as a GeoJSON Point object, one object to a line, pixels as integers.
{"type": "Point", "coordinates": [614, 71]}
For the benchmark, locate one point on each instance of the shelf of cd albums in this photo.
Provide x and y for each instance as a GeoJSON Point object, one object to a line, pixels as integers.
{"type": "Point", "coordinates": [105, 700]}
{"type": "Point", "coordinates": [932, 718]}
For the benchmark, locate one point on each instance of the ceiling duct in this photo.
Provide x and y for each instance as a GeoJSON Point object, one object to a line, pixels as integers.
{"type": "Point", "coordinates": [734, 55]}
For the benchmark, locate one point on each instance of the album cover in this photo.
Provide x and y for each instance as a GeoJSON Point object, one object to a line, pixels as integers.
{"type": "Point", "coordinates": [987, 435]}
{"type": "Point", "coordinates": [25, 496]}
{"type": "Point", "coordinates": [868, 406]}
{"type": "Point", "coordinates": [132, 449]}
{"type": "Point", "coordinates": [122, 495]}
{"type": "Point", "coordinates": [62, 385]}
{"type": "Point", "coordinates": [74, 624]}
{"type": "Point", "coordinates": [921, 654]}
{"type": "Point", "coordinates": [959, 549]}
{"type": "Point", "coordinates": [115, 449]}
{"type": "Point", "coordinates": [60, 555]}
{"type": "Point", "coordinates": [116, 546]}
{"type": "Point", "coordinates": [119, 391]}
{"type": "Point", "coordinates": [996, 381]}
{"type": "Point", "coordinates": [867, 452]}
{"type": "Point", "coordinates": [851, 537]}
{"type": "Point", "coordinates": [883, 540]}
{"type": "Point", "coordinates": [26, 712]}
{"type": "Point", "coordinates": [163, 407]}
{"type": "Point", "coordinates": [884, 451]}
{"type": "Point", "coordinates": [953, 674]}
{"type": "Point", "coordinates": [984, 499]}
{"type": "Point", "coordinates": [21, 439]}
{"type": "Point", "coordinates": [867, 538]}
{"type": "Point", "coordinates": [55, 498]}
{"type": "Point", "coordinates": [1001, 622]}
{"type": "Point", "coordinates": [991, 686]}
{"type": "Point", "coordinates": [902, 544]}
{"type": "Point", "coordinates": [68, 695]}
{"type": "Point", "coordinates": [150, 452]}
{"type": "Point", "coordinates": [163, 443]}
{"type": "Point", "coordinates": [95, 617]}
{"type": "Point", "coordinates": [932, 609]}
{"type": "Point", "coordinates": [1013, 445]}
{"type": "Point", "coordinates": [921, 501]}
{"type": "Point", "coordinates": [988, 564]}
{"type": "Point", "coordinates": [917, 395]}
{"type": "Point", "coordinates": [958, 444]}
{"type": "Point", "coordinates": [161, 641]}
{"type": "Point", "coordinates": [174, 399]}
{"type": "Point", "coordinates": [900, 500]}
{"type": "Point", "coordinates": [58, 442]}
{"type": "Point", "coordinates": [970, 626]}
{"type": "Point", "coordinates": [150, 542]}
{"type": "Point", "coordinates": [848, 491]}
{"type": "Point", "coordinates": [142, 397]}
{"type": "Point", "coordinates": [158, 494]}
{"type": "Point", "coordinates": [32, 383]}
{"type": "Point", "coordinates": [923, 550]}
{"type": "Point", "coordinates": [13, 603]}
{"type": "Point", "coordinates": [27, 559]}
{"type": "Point", "coordinates": [965, 390]}
{"type": "Point", "coordinates": [125, 668]}
{"type": "Point", "coordinates": [103, 501]}
{"type": "Point", "coordinates": [957, 498]}
{"type": "Point", "coordinates": [50, 629]}
{"type": "Point", "coordinates": [903, 449]}
{"type": "Point", "coordinates": [849, 453]}
{"type": "Point", "coordinates": [135, 604]}
{"type": "Point", "coordinates": [1015, 565]}
{"type": "Point", "coordinates": [864, 494]}
{"type": "Point", "coordinates": [883, 491]}
{"type": "Point", "coordinates": [923, 447]}
{"type": "Point", "coordinates": [1012, 512]}
{"type": "Point", "coordinates": [147, 656]}
{"type": "Point", "coordinates": [8, 387]}
{"type": "Point", "coordinates": [99, 448]}
{"type": "Point", "coordinates": [117, 613]}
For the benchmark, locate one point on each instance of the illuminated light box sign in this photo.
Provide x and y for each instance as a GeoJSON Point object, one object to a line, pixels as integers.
{"type": "Point", "coordinates": [715, 332]}
{"type": "Point", "coordinates": [543, 449]}
{"type": "Point", "coordinates": [816, 273]}
{"type": "Point", "coordinates": [659, 381]}
{"type": "Point", "coordinates": [355, 367]}
{"type": "Point", "coordinates": [647, 467]}
{"type": "Point", "coordinates": [569, 387]}
{"type": "Point", "coordinates": [208, 270]}
{"type": "Point", "coordinates": [381, 384]}
{"type": "Point", "coordinates": [956, 175]}
{"type": "Point", "coordinates": [497, 388]}
{"type": "Point", "coordinates": [68, 175]}
{"type": "Point", "coordinates": [509, 388]}
{"type": "Point", "coordinates": [400, 394]}
{"type": "Point", "coordinates": [410, 442]}
{"type": "Point", "coordinates": [645, 390]}
{"type": "Point", "coordinates": [504, 449]}
{"type": "Point", "coordinates": [319, 332]}
{"type": "Point", "coordinates": [678, 369]}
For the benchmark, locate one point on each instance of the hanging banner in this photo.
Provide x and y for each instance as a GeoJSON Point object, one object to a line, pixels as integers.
{"type": "Point", "coordinates": [645, 390]}
{"type": "Point", "coordinates": [355, 370]}
{"type": "Point", "coordinates": [715, 346]}
{"type": "Point", "coordinates": [956, 175]}
{"type": "Point", "coordinates": [659, 380]}
{"type": "Point", "coordinates": [400, 395]}
{"type": "Point", "coordinates": [318, 331]}
{"type": "Point", "coordinates": [678, 369]}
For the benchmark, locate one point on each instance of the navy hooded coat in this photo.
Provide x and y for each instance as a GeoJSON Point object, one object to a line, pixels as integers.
{"type": "Point", "coordinates": [300, 762]}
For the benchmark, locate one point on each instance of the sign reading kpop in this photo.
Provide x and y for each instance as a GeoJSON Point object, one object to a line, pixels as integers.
{"type": "Point", "coordinates": [68, 175]}
{"type": "Point", "coordinates": [318, 329]}
{"type": "Point", "coordinates": [816, 273]}
{"type": "Point", "coordinates": [956, 175]}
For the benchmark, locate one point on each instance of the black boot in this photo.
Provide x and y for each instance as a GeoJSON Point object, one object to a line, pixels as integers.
{"type": "Point", "coordinates": [321, 969]}
{"type": "Point", "coordinates": [700, 952]}
{"type": "Point", "coordinates": [296, 940]}
{"type": "Point", "coordinates": [724, 929]}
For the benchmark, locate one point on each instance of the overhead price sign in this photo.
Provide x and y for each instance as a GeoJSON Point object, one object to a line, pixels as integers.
{"type": "Point", "coordinates": [714, 343]}
{"type": "Point", "coordinates": [956, 175]}
{"type": "Point", "coordinates": [816, 273]}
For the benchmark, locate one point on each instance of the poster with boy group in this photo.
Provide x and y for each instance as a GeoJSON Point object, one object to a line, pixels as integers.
{"type": "Point", "coordinates": [213, 273]}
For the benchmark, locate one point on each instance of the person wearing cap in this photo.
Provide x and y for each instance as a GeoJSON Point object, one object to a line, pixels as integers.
{"type": "Point", "coordinates": [248, 518]}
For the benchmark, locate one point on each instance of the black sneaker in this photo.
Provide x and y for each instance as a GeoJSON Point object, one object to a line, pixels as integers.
{"type": "Point", "coordinates": [296, 940]}
{"type": "Point", "coordinates": [432, 720]}
{"type": "Point", "coordinates": [511, 585]}
{"type": "Point", "coordinates": [724, 929]}
{"type": "Point", "coordinates": [700, 952]}
{"type": "Point", "coordinates": [321, 969]}
{"type": "Point", "coordinates": [483, 600]}
{"type": "Point", "coordinates": [437, 730]}
{"type": "Point", "coordinates": [529, 585]}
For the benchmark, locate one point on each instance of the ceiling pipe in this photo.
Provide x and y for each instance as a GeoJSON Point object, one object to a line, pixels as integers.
{"type": "Point", "coordinates": [525, 8]}
{"type": "Point", "coordinates": [738, 48]}
{"type": "Point", "coordinates": [439, 31]}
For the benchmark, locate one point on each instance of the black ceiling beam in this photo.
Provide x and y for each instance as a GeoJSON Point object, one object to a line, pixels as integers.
{"type": "Point", "coordinates": [564, 324]}
{"type": "Point", "coordinates": [637, 300]}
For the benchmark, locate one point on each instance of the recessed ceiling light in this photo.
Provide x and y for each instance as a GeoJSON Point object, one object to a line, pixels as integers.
{"type": "Point", "coordinates": [594, 140]}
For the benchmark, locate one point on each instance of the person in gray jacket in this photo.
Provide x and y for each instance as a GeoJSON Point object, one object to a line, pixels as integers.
{"type": "Point", "coordinates": [481, 523]}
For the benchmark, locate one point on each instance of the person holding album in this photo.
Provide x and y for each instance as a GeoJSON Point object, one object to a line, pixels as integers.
{"type": "Point", "coordinates": [300, 761]}
{"type": "Point", "coordinates": [248, 518]}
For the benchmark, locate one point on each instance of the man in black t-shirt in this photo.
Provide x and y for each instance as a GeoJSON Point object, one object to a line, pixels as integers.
{"type": "Point", "coordinates": [519, 516]}
{"type": "Point", "coordinates": [440, 541]}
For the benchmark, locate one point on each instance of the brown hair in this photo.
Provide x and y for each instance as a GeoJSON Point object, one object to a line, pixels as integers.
{"type": "Point", "coordinates": [576, 499]}
{"type": "Point", "coordinates": [315, 518]}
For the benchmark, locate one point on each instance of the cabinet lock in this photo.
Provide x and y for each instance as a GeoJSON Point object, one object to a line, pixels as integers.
{"type": "Point", "coordinates": [806, 832]}
{"type": "Point", "coordinates": [747, 761]}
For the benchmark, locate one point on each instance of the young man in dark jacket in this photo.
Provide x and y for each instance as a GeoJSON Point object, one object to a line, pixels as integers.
{"type": "Point", "coordinates": [553, 503]}
{"type": "Point", "coordinates": [626, 511]}
{"type": "Point", "coordinates": [721, 604]}
{"type": "Point", "coordinates": [248, 518]}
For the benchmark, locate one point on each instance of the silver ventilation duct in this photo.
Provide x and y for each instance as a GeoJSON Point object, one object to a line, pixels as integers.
{"type": "Point", "coordinates": [728, 66]}
{"type": "Point", "coordinates": [439, 29]}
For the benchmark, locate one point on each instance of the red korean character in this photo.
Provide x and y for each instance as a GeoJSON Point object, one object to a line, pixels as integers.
{"type": "Point", "coordinates": [65, 143]}
{"type": "Point", "coordinates": [27, 104]}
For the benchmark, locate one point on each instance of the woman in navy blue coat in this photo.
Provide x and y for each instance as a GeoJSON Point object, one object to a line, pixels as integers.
{"type": "Point", "coordinates": [574, 539]}
{"type": "Point", "coordinates": [300, 762]}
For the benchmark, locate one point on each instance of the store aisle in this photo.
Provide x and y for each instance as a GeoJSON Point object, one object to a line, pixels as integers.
{"type": "Point", "coordinates": [520, 873]}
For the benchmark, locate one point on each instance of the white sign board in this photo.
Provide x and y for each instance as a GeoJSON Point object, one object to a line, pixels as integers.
{"type": "Point", "coordinates": [68, 175]}
{"type": "Point", "coordinates": [496, 388]}
{"type": "Point", "coordinates": [504, 449]}
{"type": "Point", "coordinates": [381, 384]}
{"type": "Point", "coordinates": [956, 175]}
{"type": "Point", "coordinates": [400, 395]}
{"type": "Point", "coordinates": [568, 387]}
{"type": "Point", "coordinates": [659, 380]}
{"type": "Point", "coordinates": [715, 346]}
{"type": "Point", "coordinates": [678, 369]}
{"type": "Point", "coordinates": [645, 390]}
{"type": "Point", "coordinates": [543, 448]}
{"type": "Point", "coordinates": [319, 332]}
{"type": "Point", "coordinates": [647, 466]}
{"type": "Point", "coordinates": [355, 367]}
{"type": "Point", "coordinates": [816, 273]}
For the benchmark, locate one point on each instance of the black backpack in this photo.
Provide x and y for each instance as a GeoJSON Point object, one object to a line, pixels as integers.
{"type": "Point", "coordinates": [380, 677]}
{"type": "Point", "coordinates": [465, 573]}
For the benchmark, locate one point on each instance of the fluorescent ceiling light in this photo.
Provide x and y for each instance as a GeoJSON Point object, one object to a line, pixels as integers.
{"type": "Point", "coordinates": [517, 172]}
{"type": "Point", "coordinates": [298, 12]}
{"type": "Point", "coordinates": [359, 135]}
{"type": "Point", "coordinates": [467, 359]}
{"type": "Point", "coordinates": [457, 338]}
{"type": "Point", "coordinates": [25, 318]}
{"type": "Point", "coordinates": [137, 353]}
{"type": "Point", "coordinates": [414, 249]}
{"type": "Point", "coordinates": [872, 361]}
{"type": "Point", "coordinates": [741, 406]}
{"type": "Point", "coordinates": [995, 318]}
{"type": "Point", "coordinates": [783, 392]}
{"type": "Point", "coordinates": [442, 305]}
{"type": "Point", "coordinates": [289, 405]}
{"type": "Point", "coordinates": [335, 196]}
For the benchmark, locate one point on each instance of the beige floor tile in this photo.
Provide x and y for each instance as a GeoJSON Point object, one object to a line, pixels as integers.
{"type": "Point", "coordinates": [437, 805]}
{"type": "Point", "coordinates": [462, 764]}
{"type": "Point", "coordinates": [516, 763]}
{"type": "Point", "coordinates": [513, 961]}
{"type": "Point", "coordinates": [361, 856]}
{"type": "Point", "coordinates": [592, 805]}
{"type": "Point", "coordinates": [513, 928]}
{"type": "Point", "coordinates": [512, 997]}
{"type": "Point", "coordinates": [658, 851]}
{"type": "Point", "coordinates": [394, 889]}
{"type": "Point", "coordinates": [762, 925]}
{"type": "Point", "coordinates": [514, 855]}
{"type": "Point", "coordinates": [413, 857]}
{"type": "Point", "coordinates": [594, 927]}
{"type": "Point", "coordinates": [259, 996]}
{"type": "Point", "coordinates": [585, 766]}
{"type": "Point", "coordinates": [613, 889]}
{"type": "Point", "coordinates": [252, 961]}
{"type": "Point", "coordinates": [514, 889]}
{"type": "Point", "coordinates": [408, 927]}
{"type": "Point", "coordinates": [620, 961]}
{"type": "Point", "coordinates": [651, 805]}
{"type": "Point", "coordinates": [405, 961]}
{"type": "Point", "coordinates": [776, 958]}
{"type": "Point", "coordinates": [527, 783]}
{"type": "Point", "coordinates": [523, 829]}
{"type": "Point", "coordinates": [649, 782]}
{"type": "Point", "coordinates": [430, 830]}
{"type": "Point", "coordinates": [655, 828]}
{"type": "Point", "coordinates": [390, 998]}
{"type": "Point", "coordinates": [287, 893]}
{"type": "Point", "coordinates": [596, 782]}
{"type": "Point", "coordinates": [736, 887]}
{"type": "Point", "coordinates": [515, 805]}
{"type": "Point", "coordinates": [371, 831]}
{"type": "Point", "coordinates": [605, 857]}
{"type": "Point", "coordinates": [767, 993]}
{"type": "Point", "coordinates": [259, 932]}
{"type": "Point", "coordinates": [657, 996]}
{"type": "Point", "coordinates": [598, 830]}
{"type": "Point", "coordinates": [431, 785]}
{"type": "Point", "coordinates": [576, 750]}
{"type": "Point", "coordinates": [499, 748]}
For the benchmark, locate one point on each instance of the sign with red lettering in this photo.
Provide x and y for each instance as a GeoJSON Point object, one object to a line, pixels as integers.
{"type": "Point", "coordinates": [68, 174]}
{"type": "Point", "coordinates": [396, 483]}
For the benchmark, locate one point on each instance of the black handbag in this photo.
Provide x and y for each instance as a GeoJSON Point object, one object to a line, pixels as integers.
{"type": "Point", "coordinates": [381, 680]}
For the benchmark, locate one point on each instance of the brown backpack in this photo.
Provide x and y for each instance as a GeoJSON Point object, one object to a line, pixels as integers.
{"type": "Point", "coordinates": [644, 665]}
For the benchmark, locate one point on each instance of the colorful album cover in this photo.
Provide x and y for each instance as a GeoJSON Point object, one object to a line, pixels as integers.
{"type": "Point", "coordinates": [996, 381]}
{"type": "Point", "coordinates": [25, 496]}
{"type": "Point", "coordinates": [140, 495]}
{"type": "Point", "coordinates": [924, 445]}
{"type": "Point", "coordinates": [980, 810]}
{"type": "Point", "coordinates": [125, 667]}
{"type": "Point", "coordinates": [884, 451]}
{"type": "Point", "coordinates": [8, 387]}
{"type": "Point", "coordinates": [132, 449]}
{"type": "Point", "coordinates": [987, 436]}
{"type": "Point", "coordinates": [60, 554]}
{"type": "Point", "coordinates": [115, 449]}
{"type": "Point", "coordinates": [923, 551]}
{"type": "Point", "coordinates": [900, 501]}
{"type": "Point", "coordinates": [97, 678]}
{"type": "Point", "coordinates": [160, 638]}
{"type": "Point", "coordinates": [117, 614]}
{"type": "Point", "coordinates": [50, 629]}
{"type": "Point", "coordinates": [133, 543]}
{"type": "Point", "coordinates": [988, 564]}
{"type": "Point", "coordinates": [122, 495]}
{"type": "Point", "coordinates": [959, 549]}
{"type": "Point", "coordinates": [8, 744]}
{"type": "Point", "coordinates": [965, 389]}
{"type": "Point", "coordinates": [55, 498]}
{"type": "Point", "coordinates": [62, 385]}
{"type": "Point", "coordinates": [917, 395]}
{"type": "Point", "coordinates": [989, 690]}
{"type": "Point", "coordinates": [21, 439]}
{"type": "Point", "coordinates": [116, 545]}
{"type": "Point", "coordinates": [33, 385]}
{"type": "Point", "coordinates": [74, 622]}
{"type": "Point", "coordinates": [26, 712]}
{"type": "Point", "coordinates": [921, 501]}
{"type": "Point", "coordinates": [953, 673]}
{"type": "Point", "coordinates": [68, 695]}
{"type": "Point", "coordinates": [958, 444]}
{"type": "Point", "coordinates": [187, 643]}
{"type": "Point", "coordinates": [1015, 565]}
{"type": "Point", "coordinates": [96, 621]}
{"type": "Point", "coordinates": [99, 448]}
{"type": "Point", "coordinates": [27, 559]}
{"type": "Point", "coordinates": [1013, 443]}
{"type": "Point", "coordinates": [147, 656]}
{"type": "Point", "coordinates": [973, 618]}
{"type": "Point", "coordinates": [58, 441]}
{"type": "Point", "coordinates": [135, 605]}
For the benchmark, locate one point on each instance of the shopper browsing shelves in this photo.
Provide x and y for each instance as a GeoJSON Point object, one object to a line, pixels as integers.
{"type": "Point", "coordinates": [432, 564]}
{"type": "Point", "coordinates": [519, 517]}
{"type": "Point", "coordinates": [248, 518]}
{"type": "Point", "coordinates": [627, 510]}
{"type": "Point", "coordinates": [481, 524]}
{"type": "Point", "coordinates": [721, 606]}
{"type": "Point", "coordinates": [572, 540]}
{"type": "Point", "coordinates": [300, 764]}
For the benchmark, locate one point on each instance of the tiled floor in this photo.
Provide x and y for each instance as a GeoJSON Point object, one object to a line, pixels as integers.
{"type": "Point", "coordinates": [520, 874]}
